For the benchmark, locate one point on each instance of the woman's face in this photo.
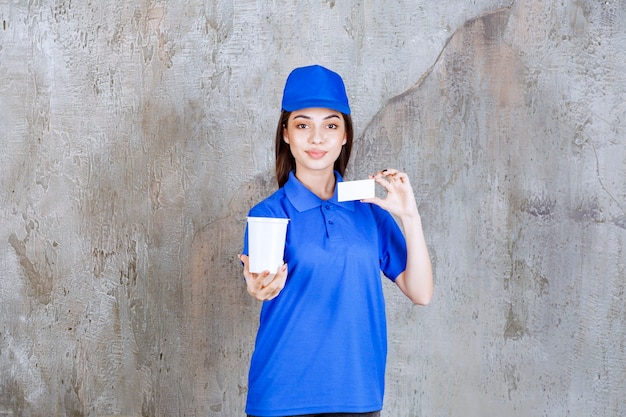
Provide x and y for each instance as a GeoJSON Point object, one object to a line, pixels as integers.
{"type": "Point", "coordinates": [315, 137]}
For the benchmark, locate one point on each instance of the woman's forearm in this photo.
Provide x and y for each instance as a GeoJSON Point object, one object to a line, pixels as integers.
{"type": "Point", "coordinates": [416, 282]}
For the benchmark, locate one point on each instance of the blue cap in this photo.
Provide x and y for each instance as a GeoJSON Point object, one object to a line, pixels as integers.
{"type": "Point", "coordinates": [315, 86]}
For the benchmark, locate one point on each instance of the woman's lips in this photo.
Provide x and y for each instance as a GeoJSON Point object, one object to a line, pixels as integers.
{"type": "Point", "coordinates": [316, 153]}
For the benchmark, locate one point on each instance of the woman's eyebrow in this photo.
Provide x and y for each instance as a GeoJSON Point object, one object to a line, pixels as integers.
{"type": "Point", "coordinates": [304, 116]}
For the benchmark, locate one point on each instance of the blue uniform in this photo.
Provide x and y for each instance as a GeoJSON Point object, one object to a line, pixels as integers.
{"type": "Point", "coordinates": [322, 343]}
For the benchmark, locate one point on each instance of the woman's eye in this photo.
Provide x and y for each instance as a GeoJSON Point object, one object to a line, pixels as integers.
{"type": "Point", "coordinates": [301, 126]}
{"type": "Point", "coordinates": [332, 126]}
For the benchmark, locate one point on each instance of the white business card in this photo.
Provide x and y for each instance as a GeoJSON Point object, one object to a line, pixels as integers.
{"type": "Point", "coordinates": [355, 190]}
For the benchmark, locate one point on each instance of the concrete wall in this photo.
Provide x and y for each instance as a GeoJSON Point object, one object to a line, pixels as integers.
{"type": "Point", "coordinates": [136, 135]}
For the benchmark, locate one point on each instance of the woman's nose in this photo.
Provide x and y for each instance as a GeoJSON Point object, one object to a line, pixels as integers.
{"type": "Point", "coordinates": [316, 136]}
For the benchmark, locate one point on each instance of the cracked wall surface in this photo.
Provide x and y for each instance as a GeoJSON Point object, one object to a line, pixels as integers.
{"type": "Point", "coordinates": [136, 135]}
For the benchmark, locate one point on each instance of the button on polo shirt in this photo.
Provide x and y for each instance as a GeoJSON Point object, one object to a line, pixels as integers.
{"type": "Point", "coordinates": [322, 343]}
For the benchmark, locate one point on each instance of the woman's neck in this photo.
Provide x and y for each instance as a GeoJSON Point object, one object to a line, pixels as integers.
{"type": "Point", "coordinates": [322, 184]}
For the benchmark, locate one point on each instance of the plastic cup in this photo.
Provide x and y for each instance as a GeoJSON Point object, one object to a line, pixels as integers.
{"type": "Point", "coordinates": [266, 243]}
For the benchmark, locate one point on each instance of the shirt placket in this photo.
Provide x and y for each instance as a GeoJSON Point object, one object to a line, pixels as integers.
{"type": "Point", "coordinates": [329, 212]}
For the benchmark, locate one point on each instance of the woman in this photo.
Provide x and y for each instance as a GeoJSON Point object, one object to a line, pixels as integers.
{"type": "Point", "coordinates": [321, 345]}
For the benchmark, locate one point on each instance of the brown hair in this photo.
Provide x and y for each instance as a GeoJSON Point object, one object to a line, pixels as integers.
{"type": "Point", "coordinates": [285, 162]}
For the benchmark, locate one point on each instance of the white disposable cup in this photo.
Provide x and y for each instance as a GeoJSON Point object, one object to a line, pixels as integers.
{"type": "Point", "coordinates": [266, 243]}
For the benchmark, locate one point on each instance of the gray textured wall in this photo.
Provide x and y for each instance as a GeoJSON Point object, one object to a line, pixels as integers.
{"type": "Point", "coordinates": [136, 135]}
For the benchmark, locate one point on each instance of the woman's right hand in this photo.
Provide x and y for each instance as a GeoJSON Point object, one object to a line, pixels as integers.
{"type": "Point", "coordinates": [264, 286]}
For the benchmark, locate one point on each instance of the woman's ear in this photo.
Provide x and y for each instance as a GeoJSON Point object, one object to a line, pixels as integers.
{"type": "Point", "coordinates": [285, 136]}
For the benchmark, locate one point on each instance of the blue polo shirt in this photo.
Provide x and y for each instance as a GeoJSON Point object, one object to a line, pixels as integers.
{"type": "Point", "coordinates": [322, 343]}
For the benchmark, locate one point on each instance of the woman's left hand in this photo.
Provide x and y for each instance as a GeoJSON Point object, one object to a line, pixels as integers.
{"type": "Point", "coordinates": [400, 199]}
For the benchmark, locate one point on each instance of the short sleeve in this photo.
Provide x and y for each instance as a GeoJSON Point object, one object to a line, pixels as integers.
{"type": "Point", "coordinates": [392, 250]}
